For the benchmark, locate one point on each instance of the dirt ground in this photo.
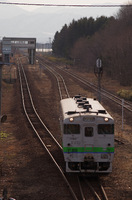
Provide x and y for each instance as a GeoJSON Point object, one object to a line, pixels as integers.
{"type": "Point", "coordinates": [25, 167]}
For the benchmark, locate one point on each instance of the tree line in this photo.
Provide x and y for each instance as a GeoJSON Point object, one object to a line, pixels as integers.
{"type": "Point", "coordinates": [107, 38]}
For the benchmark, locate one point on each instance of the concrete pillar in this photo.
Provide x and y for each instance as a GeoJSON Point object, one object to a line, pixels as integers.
{"type": "Point", "coordinates": [31, 53]}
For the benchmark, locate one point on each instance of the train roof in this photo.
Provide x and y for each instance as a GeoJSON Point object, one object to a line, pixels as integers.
{"type": "Point", "coordinates": [83, 106]}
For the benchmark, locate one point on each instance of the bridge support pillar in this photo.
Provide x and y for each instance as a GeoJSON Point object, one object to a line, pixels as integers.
{"type": "Point", "coordinates": [31, 53]}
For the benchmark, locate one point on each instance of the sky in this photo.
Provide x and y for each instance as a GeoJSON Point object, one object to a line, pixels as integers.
{"type": "Point", "coordinates": [66, 2]}
{"type": "Point", "coordinates": [34, 22]}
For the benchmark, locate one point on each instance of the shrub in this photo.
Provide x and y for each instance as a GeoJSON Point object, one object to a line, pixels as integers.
{"type": "Point", "coordinates": [125, 94]}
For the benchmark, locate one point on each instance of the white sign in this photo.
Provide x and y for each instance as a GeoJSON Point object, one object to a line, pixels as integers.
{"type": "Point", "coordinates": [99, 63]}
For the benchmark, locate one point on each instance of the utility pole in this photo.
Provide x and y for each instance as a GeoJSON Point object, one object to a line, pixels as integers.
{"type": "Point", "coordinates": [0, 86]}
{"type": "Point", "coordinates": [4, 117]}
{"type": "Point", "coordinates": [1, 64]}
{"type": "Point", "coordinates": [5, 192]}
{"type": "Point", "coordinates": [98, 71]}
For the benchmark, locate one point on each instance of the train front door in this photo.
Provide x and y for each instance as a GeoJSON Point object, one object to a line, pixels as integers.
{"type": "Point", "coordinates": [88, 138]}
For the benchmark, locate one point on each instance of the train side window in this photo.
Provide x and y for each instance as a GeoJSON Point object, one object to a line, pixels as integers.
{"type": "Point", "coordinates": [106, 129]}
{"type": "Point", "coordinates": [71, 129]}
{"type": "Point", "coordinates": [88, 131]}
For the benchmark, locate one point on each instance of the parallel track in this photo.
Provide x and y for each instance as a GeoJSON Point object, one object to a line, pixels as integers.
{"type": "Point", "coordinates": [126, 105]}
{"type": "Point", "coordinates": [38, 126]}
{"type": "Point", "coordinates": [63, 91]}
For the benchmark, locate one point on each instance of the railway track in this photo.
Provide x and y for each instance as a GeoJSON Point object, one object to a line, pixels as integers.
{"type": "Point", "coordinates": [63, 91]}
{"type": "Point", "coordinates": [46, 138]}
{"type": "Point", "coordinates": [123, 103]}
{"type": "Point", "coordinates": [86, 184]}
{"type": "Point", "coordinates": [96, 189]}
{"type": "Point", "coordinates": [58, 72]}
{"type": "Point", "coordinates": [127, 105]}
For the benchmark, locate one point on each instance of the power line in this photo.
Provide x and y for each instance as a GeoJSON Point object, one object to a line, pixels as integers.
{"type": "Point", "coordinates": [67, 5]}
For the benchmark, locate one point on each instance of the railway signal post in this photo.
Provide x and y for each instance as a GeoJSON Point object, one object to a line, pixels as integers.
{"type": "Point", "coordinates": [5, 195]}
{"type": "Point", "coordinates": [98, 70]}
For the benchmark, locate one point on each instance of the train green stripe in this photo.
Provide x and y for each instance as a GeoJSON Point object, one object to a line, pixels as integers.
{"type": "Point", "coordinates": [88, 150]}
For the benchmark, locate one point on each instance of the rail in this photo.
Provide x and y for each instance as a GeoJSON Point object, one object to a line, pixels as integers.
{"type": "Point", "coordinates": [97, 191]}
{"type": "Point", "coordinates": [127, 105]}
{"type": "Point", "coordinates": [63, 91]}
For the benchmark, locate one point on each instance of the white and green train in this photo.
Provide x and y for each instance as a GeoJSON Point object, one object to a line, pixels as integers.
{"type": "Point", "coordinates": [87, 135]}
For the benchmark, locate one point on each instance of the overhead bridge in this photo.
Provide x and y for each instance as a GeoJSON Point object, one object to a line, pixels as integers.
{"type": "Point", "coordinates": [8, 43]}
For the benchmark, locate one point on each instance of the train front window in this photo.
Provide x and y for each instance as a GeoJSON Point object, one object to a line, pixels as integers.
{"type": "Point", "coordinates": [106, 129]}
{"type": "Point", "coordinates": [71, 128]}
{"type": "Point", "coordinates": [88, 131]}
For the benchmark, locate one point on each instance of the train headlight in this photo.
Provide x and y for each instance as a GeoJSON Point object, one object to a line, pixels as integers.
{"type": "Point", "coordinates": [71, 119]}
{"type": "Point", "coordinates": [106, 119]}
{"type": "Point", "coordinates": [104, 156]}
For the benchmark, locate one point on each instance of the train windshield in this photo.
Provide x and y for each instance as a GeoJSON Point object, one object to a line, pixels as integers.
{"type": "Point", "coordinates": [71, 129]}
{"type": "Point", "coordinates": [106, 129]}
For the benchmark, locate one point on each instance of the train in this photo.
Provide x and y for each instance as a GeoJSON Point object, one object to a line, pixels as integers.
{"type": "Point", "coordinates": [87, 135]}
